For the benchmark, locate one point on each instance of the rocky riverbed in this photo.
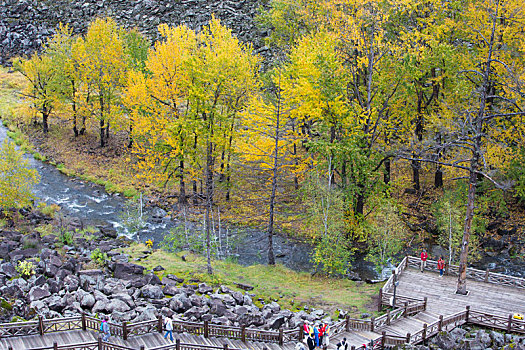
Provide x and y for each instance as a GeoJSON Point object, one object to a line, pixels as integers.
{"type": "Point", "coordinates": [66, 283]}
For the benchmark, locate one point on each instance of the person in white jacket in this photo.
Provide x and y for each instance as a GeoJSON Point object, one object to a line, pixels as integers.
{"type": "Point", "coordinates": [168, 326]}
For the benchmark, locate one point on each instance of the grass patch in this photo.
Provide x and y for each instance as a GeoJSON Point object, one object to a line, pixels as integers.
{"type": "Point", "coordinates": [292, 290]}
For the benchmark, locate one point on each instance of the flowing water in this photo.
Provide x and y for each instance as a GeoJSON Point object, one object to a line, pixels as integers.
{"type": "Point", "coordinates": [94, 206]}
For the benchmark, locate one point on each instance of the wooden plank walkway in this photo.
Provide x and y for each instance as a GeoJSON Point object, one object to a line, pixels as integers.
{"type": "Point", "coordinates": [494, 299]}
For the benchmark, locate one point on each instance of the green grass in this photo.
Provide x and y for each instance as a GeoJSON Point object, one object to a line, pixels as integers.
{"type": "Point", "coordinates": [292, 290]}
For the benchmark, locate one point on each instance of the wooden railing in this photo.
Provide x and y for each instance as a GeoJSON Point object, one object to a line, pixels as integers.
{"type": "Point", "coordinates": [474, 274]}
{"type": "Point", "coordinates": [102, 345]}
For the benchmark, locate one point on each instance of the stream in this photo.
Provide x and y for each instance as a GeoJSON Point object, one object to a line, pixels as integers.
{"type": "Point", "coordinates": [94, 206]}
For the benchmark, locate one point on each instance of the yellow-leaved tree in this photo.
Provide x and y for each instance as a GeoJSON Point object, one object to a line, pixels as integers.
{"type": "Point", "coordinates": [17, 178]}
{"type": "Point", "coordinates": [102, 64]}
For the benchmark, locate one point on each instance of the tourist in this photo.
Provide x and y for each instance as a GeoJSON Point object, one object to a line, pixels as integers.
{"type": "Point", "coordinates": [310, 342]}
{"type": "Point", "coordinates": [424, 257]}
{"type": "Point", "coordinates": [168, 326]}
{"type": "Point", "coordinates": [105, 329]}
{"type": "Point", "coordinates": [306, 330]}
{"type": "Point", "coordinates": [316, 334]}
{"type": "Point", "coordinates": [342, 345]}
{"type": "Point", "coordinates": [441, 266]}
{"type": "Point", "coordinates": [325, 342]}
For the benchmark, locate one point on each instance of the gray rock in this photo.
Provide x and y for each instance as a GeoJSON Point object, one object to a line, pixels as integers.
{"type": "Point", "coordinates": [118, 305]}
{"type": "Point", "coordinates": [171, 290]}
{"type": "Point", "coordinates": [217, 307]}
{"type": "Point", "coordinates": [8, 269]}
{"type": "Point", "coordinates": [127, 271]}
{"type": "Point", "coordinates": [71, 283]}
{"type": "Point", "coordinates": [87, 301]}
{"type": "Point", "coordinates": [125, 297]}
{"type": "Point", "coordinates": [39, 292]}
{"type": "Point", "coordinates": [204, 289]}
{"type": "Point", "coordinates": [152, 292]}
{"type": "Point", "coordinates": [180, 303]}
{"type": "Point", "coordinates": [225, 298]}
{"type": "Point", "coordinates": [277, 321]}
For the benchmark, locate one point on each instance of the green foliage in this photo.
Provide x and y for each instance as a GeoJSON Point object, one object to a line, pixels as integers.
{"type": "Point", "coordinates": [387, 233]}
{"type": "Point", "coordinates": [98, 257]}
{"type": "Point", "coordinates": [48, 210]}
{"type": "Point", "coordinates": [132, 217]}
{"type": "Point", "coordinates": [25, 268]}
{"type": "Point", "coordinates": [449, 212]}
{"type": "Point", "coordinates": [325, 219]}
{"type": "Point", "coordinates": [16, 178]}
{"type": "Point", "coordinates": [516, 171]}
{"type": "Point", "coordinates": [66, 237]}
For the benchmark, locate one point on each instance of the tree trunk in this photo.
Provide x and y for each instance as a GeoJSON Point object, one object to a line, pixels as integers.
{"type": "Point", "coordinates": [462, 279]}
{"type": "Point", "coordinates": [386, 175]}
{"type": "Point", "coordinates": [74, 100]}
{"type": "Point", "coordinates": [102, 133]}
{"type": "Point", "coordinates": [415, 174]}
{"type": "Point", "coordinates": [45, 116]}
{"type": "Point", "coordinates": [182, 186]}
{"type": "Point", "coordinates": [209, 201]}
{"type": "Point", "coordinates": [438, 177]}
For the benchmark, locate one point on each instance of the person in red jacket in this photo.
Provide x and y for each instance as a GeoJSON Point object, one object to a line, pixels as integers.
{"type": "Point", "coordinates": [441, 266]}
{"type": "Point", "coordinates": [424, 257]}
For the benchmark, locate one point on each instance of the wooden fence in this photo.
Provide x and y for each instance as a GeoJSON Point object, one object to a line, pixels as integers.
{"type": "Point", "coordinates": [474, 274]}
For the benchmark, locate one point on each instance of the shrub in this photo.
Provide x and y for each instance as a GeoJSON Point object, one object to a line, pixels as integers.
{"type": "Point", "coordinates": [25, 268]}
{"type": "Point", "coordinates": [99, 257]}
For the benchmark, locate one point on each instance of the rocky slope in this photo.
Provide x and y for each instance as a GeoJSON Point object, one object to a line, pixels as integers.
{"type": "Point", "coordinates": [66, 283]}
{"type": "Point", "coordinates": [25, 24]}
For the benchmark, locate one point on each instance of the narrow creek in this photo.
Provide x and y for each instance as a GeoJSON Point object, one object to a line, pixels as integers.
{"type": "Point", "coordinates": [94, 206]}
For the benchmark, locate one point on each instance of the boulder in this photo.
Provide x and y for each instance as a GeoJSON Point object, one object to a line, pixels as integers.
{"type": "Point", "coordinates": [204, 289]}
{"type": "Point", "coordinates": [118, 305]}
{"type": "Point", "coordinates": [127, 271]}
{"type": "Point", "coordinates": [8, 269]}
{"type": "Point", "coordinates": [217, 307]}
{"type": "Point", "coordinates": [71, 283]}
{"type": "Point", "coordinates": [196, 313]}
{"type": "Point", "coordinates": [152, 292]}
{"type": "Point", "coordinates": [125, 297]}
{"type": "Point", "coordinates": [225, 298]}
{"type": "Point", "coordinates": [180, 303]}
{"type": "Point", "coordinates": [171, 290]}
{"type": "Point", "coordinates": [39, 292]}
{"type": "Point", "coordinates": [87, 301]}
{"type": "Point", "coordinates": [277, 321]}
{"type": "Point", "coordinates": [171, 279]}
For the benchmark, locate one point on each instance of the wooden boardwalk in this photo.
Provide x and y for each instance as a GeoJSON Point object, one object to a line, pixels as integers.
{"type": "Point", "coordinates": [426, 304]}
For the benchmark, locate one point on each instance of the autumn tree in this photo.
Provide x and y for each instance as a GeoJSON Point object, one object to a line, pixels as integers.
{"type": "Point", "coordinates": [267, 143]}
{"type": "Point", "coordinates": [102, 64]}
{"type": "Point", "coordinates": [157, 100]}
{"type": "Point", "coordinates": [482, 122]}
{"type": "Point", "coordinates": [17, 178]}
{"type": "Point", "coordinates": [41, 75]}
{"type": "Point", "coordinates": [223, 75]}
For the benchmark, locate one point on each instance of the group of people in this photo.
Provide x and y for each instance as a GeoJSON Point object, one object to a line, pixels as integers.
{"type": "Point", "coordinates": [316, 336]}
{"type": "Point", "coordinates": [440, 263]}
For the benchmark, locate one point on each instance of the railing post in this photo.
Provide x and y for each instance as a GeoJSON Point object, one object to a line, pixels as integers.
{"type": "Point", "coordinates": [388, 318]}
{"type": "Point", "coordinates": [383, 339]}
{"type": "Point", "coordinates": [424, 335]}
{"type": "Point", "coordinates": [84, 326]}
{"type": "Point", "coordinates": [125, 330]}
{"type": "Point", "coordinates": [243, 333]}
{"type": "Point", "coordinates": [281, 337]}
{"type": "Point", "coordinates": [372, 323]}
{"type": "Point", "coordinates": [225, 346]}
{"type": "Point", "coordinates": [55, 346]}
{"type": "Point", "coordinates": [380, 302]}
{"type": "Point", "coordinates": [142, 347]}
{"type": "Point", "coordinates": [509, 325]}
{"type": "Point", "coordinates": [425, 304]}
{"type": "Point", "coordinates": [206, 329]}
{"type": "Point", "coordinates": [440, 324]}
{"type": "Point", "coordinates": [177, 344]}
{"type": "Point", "coordinates": [408, 338]}
{"type": "Point", "coordinates": [467, 313]}
{"type": "Point", "coordinates": [40, 324]}
{"type": "Point", "coordinates": [487, 275]}
{"type": "Point", "coordinates": [405, 311]}
{"type": "Point", "coordinates": [300, 334]}
{"type": "Point", "coordinates": [99, 343]}
{"type": "Point", "coordinates": [347, 327]}
{"type": "Point", "coordinates": [159, 324]}
{"type": "Point", "coordinates": [353, 347]}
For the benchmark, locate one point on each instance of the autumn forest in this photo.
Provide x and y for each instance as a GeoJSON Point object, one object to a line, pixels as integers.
{"type": "Point", "coordinates": [368, 116]}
